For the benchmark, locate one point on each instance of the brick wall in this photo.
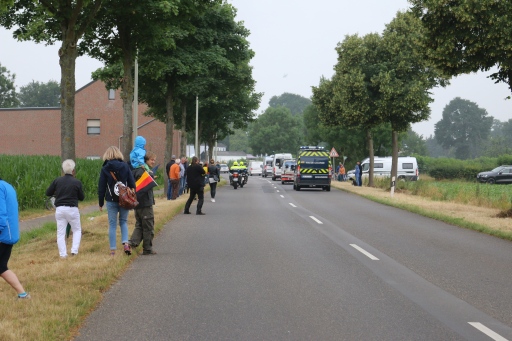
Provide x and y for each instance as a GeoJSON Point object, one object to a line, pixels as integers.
{"type": "Point", "coordinates": [36, 131]}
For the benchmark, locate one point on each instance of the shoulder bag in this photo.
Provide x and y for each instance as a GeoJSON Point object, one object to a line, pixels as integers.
{"type": "Point", "coordinates": [127, 196]}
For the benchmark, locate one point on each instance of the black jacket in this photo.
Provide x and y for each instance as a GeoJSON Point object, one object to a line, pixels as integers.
{"type": "Point", "coordinates": [213, 170]}
{"type": "Point", "coordinates": [67, 191]}
{"type": "Point", "coordinates": [106, 184]}
{"type": "Point", "coordinates": [195, 176]}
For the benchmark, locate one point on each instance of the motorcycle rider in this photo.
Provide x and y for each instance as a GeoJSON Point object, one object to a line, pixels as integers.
{"type": "Point", "coordinates": [242, 169]}
{"type": "Point", "coordinates": [233, 167]}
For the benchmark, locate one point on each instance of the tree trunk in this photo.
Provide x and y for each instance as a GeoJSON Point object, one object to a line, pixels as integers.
{"type": "Point", "coordinates": [369, 137]}
{"type": "Point", "coordinates": [127, 97]}
{"type": "Point", "coordinates": [67, 61]}
{"type": "Point", "coordinates": [183, 145]}
{"type": "Point", "coordinates": [169, 124]}
{"type": "Point", "coordinates": [394, 161]}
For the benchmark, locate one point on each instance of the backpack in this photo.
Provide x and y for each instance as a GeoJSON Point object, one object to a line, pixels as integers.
{"type": "Point", "coordinates": [127, 196]}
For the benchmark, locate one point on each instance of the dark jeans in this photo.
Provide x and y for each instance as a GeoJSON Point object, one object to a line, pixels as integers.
{"type": "Point", "coordinates": [144, 228]}
{"type": "Point", "coordinates": [200, 196]}
{"type": "Point", "coordinates": [213, 189]}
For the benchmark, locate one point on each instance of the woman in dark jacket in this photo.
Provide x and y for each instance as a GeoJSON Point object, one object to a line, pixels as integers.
{"type": "Point", "coordinates": [213, 177]}
{"type": "Point", "coordinates": [107, 191]}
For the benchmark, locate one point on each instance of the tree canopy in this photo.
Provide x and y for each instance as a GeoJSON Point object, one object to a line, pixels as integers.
{"type": "Point", "coordinates": [7, 89]}
{"type": "Point", "coordinates": [276, 130]}
{"type": "Point", "coordinates": [38, 94]}
{"type": "Point", "coordinates": [467, 36]}
{"type": "Point", "coordinates": [464, 126]}
{"type": "Point", "coordinates": [296, 103]}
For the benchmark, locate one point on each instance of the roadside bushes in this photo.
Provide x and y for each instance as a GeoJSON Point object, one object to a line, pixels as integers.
{"type": "Point", "coordinates": [445, 168]}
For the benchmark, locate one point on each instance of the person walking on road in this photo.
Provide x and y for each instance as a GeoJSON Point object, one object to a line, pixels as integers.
{"type": "Point", "coordinates": [67, 191]}
{"type": "Point", "coordinates": [9, 235]}
{"type": "Point", "coordinates": [195, 180]}
{"type": "Point", "coordinates": [108, 191]}
{"type": "Point", "coordinates": [144, 216]}
{"type": "Point", "coordinates": [167, 172]}
{"type": "Point", "coordinates": [213, 178]}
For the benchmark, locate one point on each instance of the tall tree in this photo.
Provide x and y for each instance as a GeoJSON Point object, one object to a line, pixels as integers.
{"type": "Point", "coordinates": [36, 94]}
{"type": "Point", "coordinates": [413, 143]}
{"type": "Point", "coordinates": [464, 126]}
{"type": "Point", "coordinates": [7, 89]}
{"type": "Point", "coordinates": [116, 39]}
{"type": "Point", "coordinates": [296, 103]}
{"type": "Point", "coordinates": [276, 130]}
{"type": "Point", "coordinates": [51, 21]}
{"type": "Point", "coordinates": [467, 36]}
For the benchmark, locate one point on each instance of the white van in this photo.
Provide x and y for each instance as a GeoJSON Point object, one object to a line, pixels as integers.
{"type": "Point", "coordinates": [255, 168]}
{"type": "Point", "coordinates": [277, 162]}
{"type": "Point", "coordinates": [407, 167]}
{"type": "Point", "coordinates": [267, 166]}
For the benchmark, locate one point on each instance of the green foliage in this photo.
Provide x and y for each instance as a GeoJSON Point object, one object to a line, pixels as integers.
{"type": "Point", "coordinates": [465, 127]}
{"type": "Point", "coordinates": [295, 103]}
{"type": "Point", "coordinates": [467, 35]}
{"type": "Point", "coordinates": [31, 176]}
{"type": "Point", "coordinates": [36, 94]}
{"type": "Point", "coordinates": [239, 141]}
{"type": "Point", "coordinates": [276, 130]}
{"type": "Point", "coordinates": [7, 89]}
{"type": "Point", "coordinates": [504, 160]}
{"type": "Point", "coordinates": [448, 168]}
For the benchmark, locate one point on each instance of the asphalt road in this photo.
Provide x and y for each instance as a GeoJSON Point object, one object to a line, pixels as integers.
{"type": "Point", "coordinates": [269, 263]}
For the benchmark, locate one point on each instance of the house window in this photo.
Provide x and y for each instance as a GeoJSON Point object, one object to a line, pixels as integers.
{"type": "Point", "coordinates": [93, 127]}
{"type": "Point", "coordinates": [112, 94]}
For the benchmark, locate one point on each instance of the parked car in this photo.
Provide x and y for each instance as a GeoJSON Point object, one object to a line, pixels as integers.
{"type": "Point", "coordinates": [224, 168]}
{"type": "Point", "coordinates": [255, 168]}
{"type": "Point", "coordinates": [499, 175]}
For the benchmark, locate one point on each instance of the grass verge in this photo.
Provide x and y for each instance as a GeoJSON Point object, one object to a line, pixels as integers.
{"type": "Point", "coordinates": [64, 292]}
{"type": "Point", "coordinates": [481, 219]}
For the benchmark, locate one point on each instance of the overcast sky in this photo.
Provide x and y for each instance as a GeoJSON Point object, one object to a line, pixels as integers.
{"type": "Point", "coordinates": [294, 42]}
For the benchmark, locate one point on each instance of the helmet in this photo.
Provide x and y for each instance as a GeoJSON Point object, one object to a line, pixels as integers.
{"type": "Point", "coordinates": [241, 163]}
{"type": "Point", "coordinates": [235, 163]}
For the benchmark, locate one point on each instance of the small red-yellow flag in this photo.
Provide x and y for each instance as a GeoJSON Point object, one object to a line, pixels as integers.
{"type": "Point", "coordinates": [145, 183]}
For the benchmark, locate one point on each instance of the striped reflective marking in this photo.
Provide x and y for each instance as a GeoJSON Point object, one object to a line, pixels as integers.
{"type": "Point", "coordinates": [314, 154]}
{"type": "Point", "coordinates": [493, 335]}
{"type": "Point", "coordinates": [313, 171]}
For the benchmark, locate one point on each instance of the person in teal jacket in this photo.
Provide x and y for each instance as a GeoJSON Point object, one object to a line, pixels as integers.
{"type": "Point", "coordinates": [9, 235]}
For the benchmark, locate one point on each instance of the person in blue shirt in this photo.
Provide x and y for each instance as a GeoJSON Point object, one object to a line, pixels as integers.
{"type": "Point", "coordinates": [9, 235]}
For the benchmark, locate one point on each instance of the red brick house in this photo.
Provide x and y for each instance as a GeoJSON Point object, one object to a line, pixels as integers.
{"type": "Point", "coordinates": [98, 125]}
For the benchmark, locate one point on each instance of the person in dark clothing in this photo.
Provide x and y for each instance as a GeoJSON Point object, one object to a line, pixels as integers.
{"type": "Point", "coordinates": [107, 190]}
{"type": "Point", "coordinates": [360, 175]}
{"type": "Point", "coordinates": [213, 177]}
{"type": "Point", "coordinates": [67, 192]}
{"type": "Point", "coordinates": [144, 216]}
{"type": "Point", "coordinates": [195, 180]}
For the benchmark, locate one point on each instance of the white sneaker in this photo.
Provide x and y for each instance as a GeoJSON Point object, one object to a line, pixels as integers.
{"type": "Point", "coordinates": [213, 200]}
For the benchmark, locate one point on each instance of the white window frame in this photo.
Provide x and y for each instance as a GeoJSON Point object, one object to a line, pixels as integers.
{"type": "Point", "coordinates": [93, 127]}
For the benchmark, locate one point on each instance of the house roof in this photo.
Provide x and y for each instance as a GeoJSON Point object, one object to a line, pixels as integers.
{"type": "Point", "coordinates": [231, 153]}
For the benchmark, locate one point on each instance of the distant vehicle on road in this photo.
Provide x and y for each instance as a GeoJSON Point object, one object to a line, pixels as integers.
{"type": "Point", "coordinates": [287, 171]}
{"type": "Point", "coordinates": [499, 175]}
{"type": "Point", "coordinates": [255, 168]}
{"type": "Point", "coordinates": [267, 166]}
{"type": "Point", "coordinates": [277, 163]}
{"type": "Point", "coordinates": [407, 168]}
{"type": "Point", "coordinates": [224, 168]}
{"type": "Point", "coordinates": [313, 169]}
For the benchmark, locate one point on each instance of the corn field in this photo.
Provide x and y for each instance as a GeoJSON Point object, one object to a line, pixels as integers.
{"type": "Point", "coordinates": [31, 176]}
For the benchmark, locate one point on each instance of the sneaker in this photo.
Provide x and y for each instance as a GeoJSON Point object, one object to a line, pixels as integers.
{"type": "Point", "coordinates": [213, 200]}
{"type": "Point", "coordinates": [73, 254]}
{"type": "Point", "coordinates": [127, 249]}
{"type": "Point", "coordinates": [26, 297]}
{"type": "Point", "coordinates": [200, 213]}
{"type": "Point", "coordinates": [112, 252]}
{"type": "Point", "coordinates": [186, 212]}
{"type": "Point", "coordinates": [148, 253]}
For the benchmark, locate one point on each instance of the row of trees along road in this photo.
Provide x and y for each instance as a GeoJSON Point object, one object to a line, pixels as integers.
{"type": "Point", "coordinates": [34, 94]}
{"type": "Point", "coordinates": [186, 48]}
{"type": "Point", "coordinates": [379, 79]}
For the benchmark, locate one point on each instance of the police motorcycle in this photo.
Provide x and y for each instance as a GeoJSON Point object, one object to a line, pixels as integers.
{"type": "Point", "coordinates": [234, 175]}
{"type": "Point", "coordinates": [243, 175]}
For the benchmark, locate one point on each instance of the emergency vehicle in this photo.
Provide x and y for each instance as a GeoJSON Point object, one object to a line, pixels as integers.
{"type": "Point", "coordinates": [313, 169]}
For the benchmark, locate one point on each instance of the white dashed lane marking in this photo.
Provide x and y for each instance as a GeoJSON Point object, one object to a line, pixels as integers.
{"type": "Point", "coordinates": [364, 252]}
{"type": "Point", "coordinates": [487, 331]}
{"type": "Point", "coordinates": [282, 196]}
{"type": "Point", "coordinates": [292, 205]}
{"type": "Point", "coordinates": [315, 219]}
